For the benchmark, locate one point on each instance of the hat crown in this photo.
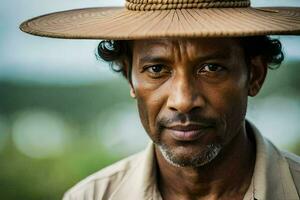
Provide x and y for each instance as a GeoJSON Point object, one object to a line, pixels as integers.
{"type": "Point", "coordinates": [145, 5]}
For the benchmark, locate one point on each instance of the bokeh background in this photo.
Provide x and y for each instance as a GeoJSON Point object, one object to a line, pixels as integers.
{"type": "Point", "coordinates": [64, 114]}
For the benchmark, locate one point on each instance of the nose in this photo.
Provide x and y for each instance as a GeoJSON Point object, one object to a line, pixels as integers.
{"type": "Point", "coordinates": [185, 95]}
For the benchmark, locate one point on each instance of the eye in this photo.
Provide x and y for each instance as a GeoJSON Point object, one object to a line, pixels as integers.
{"type": "Point", "coordinates": [210, 68]}
{"type": "Point", "coordinates": [156, 71]}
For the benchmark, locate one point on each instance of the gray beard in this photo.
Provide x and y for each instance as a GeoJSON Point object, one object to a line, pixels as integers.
{"type": "Point", "coordinates": [211, 151]}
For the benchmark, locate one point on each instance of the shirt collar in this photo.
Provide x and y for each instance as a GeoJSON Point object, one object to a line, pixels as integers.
{"type": "Point", "coordinates": [271, 178]}
{"type": "Point", "coordinates": [140, 182]}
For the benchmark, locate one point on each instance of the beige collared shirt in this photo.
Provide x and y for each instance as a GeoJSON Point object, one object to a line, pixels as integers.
{"type": "Point", "coordinates": [276, 177]}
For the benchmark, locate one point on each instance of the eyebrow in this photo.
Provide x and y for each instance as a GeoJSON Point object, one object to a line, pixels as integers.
{"type": "Point", "coordinates": [155, 59]}
{"type": "Point", "coordinates": [221, 54]}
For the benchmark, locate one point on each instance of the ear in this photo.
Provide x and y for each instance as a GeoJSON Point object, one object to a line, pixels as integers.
{"type": "Point", "coordinates": [125, 64]}
{"type": "Point", "coordinates": [132, 92]}
{"type": "Point", "coordinates": [127, 74]}
{"type": "Point", "coordinates": [258, 72]}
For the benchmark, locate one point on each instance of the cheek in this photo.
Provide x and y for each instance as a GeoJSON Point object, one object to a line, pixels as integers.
{"type": "Point", "coordinates": [144, 113]}
{"type": "Point", "coordinates": [150, 98]}
{"type": "Point", "coordinates": [150, 103]}
{"type": "Point", "coordinates": [235, 94]}
{"type": "Point", "coordinates": [232, 101]}
{"type": "Point", "coordinates": [229, 101]}
{"type": "Point", "coordinates": [230, 95]}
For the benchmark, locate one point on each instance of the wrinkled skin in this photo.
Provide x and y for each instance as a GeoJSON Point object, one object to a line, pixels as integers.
{"type": "Point", "coordinates": [201, 84]}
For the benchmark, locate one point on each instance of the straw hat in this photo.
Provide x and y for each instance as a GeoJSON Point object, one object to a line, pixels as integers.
{"type": "Point", "coordinates": [143, 19]}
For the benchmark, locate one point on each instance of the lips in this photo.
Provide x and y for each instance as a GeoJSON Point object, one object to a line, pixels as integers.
{"type": "Point", "coordinates": [187, 132]}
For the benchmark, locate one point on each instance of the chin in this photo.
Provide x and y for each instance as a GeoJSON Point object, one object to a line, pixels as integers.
{"type": "Point", "coordinates": [186, 157]}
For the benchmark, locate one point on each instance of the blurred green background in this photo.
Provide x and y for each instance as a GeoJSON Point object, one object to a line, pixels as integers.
{"type": "Point", "coordinates": [65, 115]}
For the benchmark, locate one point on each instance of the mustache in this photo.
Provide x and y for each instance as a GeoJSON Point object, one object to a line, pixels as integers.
{"type": "Point", "coordinates": [189, 118]}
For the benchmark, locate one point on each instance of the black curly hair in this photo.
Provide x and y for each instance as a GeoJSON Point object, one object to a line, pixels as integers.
{"type": "Point", "coordinates": [119, 52]}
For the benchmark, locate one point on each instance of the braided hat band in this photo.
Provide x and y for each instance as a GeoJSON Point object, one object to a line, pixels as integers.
{"type": "Point", "coordinates": [147, 5]}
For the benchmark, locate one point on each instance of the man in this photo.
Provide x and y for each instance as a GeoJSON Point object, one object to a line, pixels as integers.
{"type": "Point", "coordinates": [191, 66]}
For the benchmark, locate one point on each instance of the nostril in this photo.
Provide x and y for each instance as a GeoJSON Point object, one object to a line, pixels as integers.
{"type": "Point", "coordinates": [185, 103]}
{"type": "Point", "coordinates": [172, 109]}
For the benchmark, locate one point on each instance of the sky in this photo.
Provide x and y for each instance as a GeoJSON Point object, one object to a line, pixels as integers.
{"type": "Point", "coordinates": [25, 57]}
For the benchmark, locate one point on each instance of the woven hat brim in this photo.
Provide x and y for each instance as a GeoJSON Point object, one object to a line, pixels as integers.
{"type": "Point", "coordinates": [119, 23]}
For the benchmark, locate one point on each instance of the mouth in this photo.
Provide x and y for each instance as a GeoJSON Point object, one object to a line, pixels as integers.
{"type": "Point", "coordinates": [190, 132]}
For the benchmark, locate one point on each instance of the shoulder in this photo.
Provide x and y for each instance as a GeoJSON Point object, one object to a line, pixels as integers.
{"type": "Point", "coordinates": [293, 160]}
{"type": "Point", "coordinates": [101, 184]}
{"type": "Point", "coordinates": [294, 165]}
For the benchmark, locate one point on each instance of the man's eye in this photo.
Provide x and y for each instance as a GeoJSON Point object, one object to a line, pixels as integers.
{"type": "Point", "coordinates": [209, 68]}
{"type": "Point", "coordinates": [156, 70]}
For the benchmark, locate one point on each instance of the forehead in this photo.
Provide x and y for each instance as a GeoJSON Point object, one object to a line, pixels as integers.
{"type": "Point", "coordinates": [188, 46]}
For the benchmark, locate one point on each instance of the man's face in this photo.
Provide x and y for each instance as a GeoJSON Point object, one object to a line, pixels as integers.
{"type": "Point", "coordinates": [191, 95]}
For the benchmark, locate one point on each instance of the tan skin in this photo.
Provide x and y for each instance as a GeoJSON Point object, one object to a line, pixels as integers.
{"type": "Point", "coordinates": [205, 82]}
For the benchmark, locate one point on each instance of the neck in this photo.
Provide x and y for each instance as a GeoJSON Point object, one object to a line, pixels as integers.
{"type": "Point", "coordinates": [226, 177]}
